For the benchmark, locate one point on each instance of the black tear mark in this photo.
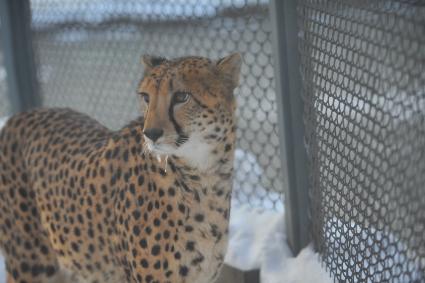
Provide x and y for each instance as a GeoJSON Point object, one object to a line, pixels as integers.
{"type": "Point", "coordinates": [182, 137]}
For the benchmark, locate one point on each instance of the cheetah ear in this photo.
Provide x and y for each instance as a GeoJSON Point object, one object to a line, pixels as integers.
{"type": "Point", "coordinates": [230, 67]}
{"type": "Point", "coordinates": [150, 62]}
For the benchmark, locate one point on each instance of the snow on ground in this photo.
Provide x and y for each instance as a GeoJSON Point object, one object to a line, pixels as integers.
{"type": "Point", "coordinates": [305, 268]}
{"type": "Point", "coordinates": [251, 233]}
{"type": "Point", "coordinates": [258, 240]}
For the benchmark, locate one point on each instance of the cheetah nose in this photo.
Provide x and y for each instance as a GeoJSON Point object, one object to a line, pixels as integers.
{"type": "Point", "coordinates": [153, 133]}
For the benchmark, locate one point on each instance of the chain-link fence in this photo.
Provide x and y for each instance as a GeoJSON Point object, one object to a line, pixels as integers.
{"type": "Point", "coordinates": [364, 92]}
{"type": "Point", "coordinates": [5, 105]}
{"type": "Point", "coordinates": [88, 57]}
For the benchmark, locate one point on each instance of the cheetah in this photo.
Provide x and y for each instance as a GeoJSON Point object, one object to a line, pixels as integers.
{"type": "Point", "coordinates": [147, 203]}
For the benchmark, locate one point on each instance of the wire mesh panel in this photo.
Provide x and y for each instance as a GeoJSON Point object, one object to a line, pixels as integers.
{"type": "Point", "coordinates": [5, 105]}
{"type": "Point", "coordinates": [89, 59]}
{"type": "Point", "coordinates": [364, 91]}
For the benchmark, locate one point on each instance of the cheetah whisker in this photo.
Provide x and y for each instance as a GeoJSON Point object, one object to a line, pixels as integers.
{"type": "Point", "coordinates": [166, 163]}
{"type": "Point", "coordinates": [158, 156]}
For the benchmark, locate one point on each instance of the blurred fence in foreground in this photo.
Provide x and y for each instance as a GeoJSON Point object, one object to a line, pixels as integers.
{"type": "Point", "coordinates": [363, 70]}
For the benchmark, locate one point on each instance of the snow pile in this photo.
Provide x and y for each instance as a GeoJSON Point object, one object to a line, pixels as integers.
{"type": "Point", "coordinates": [252, 234]}
{"type": "Point", "coordinates": [257, 239]}
{"type": "Point", "coordinates": [305, 268]}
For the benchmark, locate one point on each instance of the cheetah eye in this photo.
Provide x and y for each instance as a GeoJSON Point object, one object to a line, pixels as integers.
{"type": "Point", "coordinates": [180, 97]}
{"type": "Point", "coordinates": [145, 97]}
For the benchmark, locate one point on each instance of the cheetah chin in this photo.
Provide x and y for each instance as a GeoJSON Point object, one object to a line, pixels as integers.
{"type": "Point", "coordinates": [195, 151]}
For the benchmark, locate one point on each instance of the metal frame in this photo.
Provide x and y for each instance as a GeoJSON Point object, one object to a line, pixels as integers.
{"type": "Point", "coordinates": [15, 18]}
{"type": "Point", "coordinates": [290, 107]}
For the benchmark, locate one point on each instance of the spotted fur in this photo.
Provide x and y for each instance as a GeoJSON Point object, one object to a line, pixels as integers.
{"type": "Point", "coordinates": [81, 203]}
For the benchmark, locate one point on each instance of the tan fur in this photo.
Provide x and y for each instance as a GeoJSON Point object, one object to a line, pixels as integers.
{"type": "Point", "coordinates": [80, 203]}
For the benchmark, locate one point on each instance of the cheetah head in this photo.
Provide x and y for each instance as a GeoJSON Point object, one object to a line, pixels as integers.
{"type": "Point", "coordinates": [189, 107]}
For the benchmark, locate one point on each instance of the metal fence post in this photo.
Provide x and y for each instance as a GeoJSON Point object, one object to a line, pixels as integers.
{"type": "Point", "coordinates": [291, 126]}
{"type": "Point", "coordinates": [18, 54]}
